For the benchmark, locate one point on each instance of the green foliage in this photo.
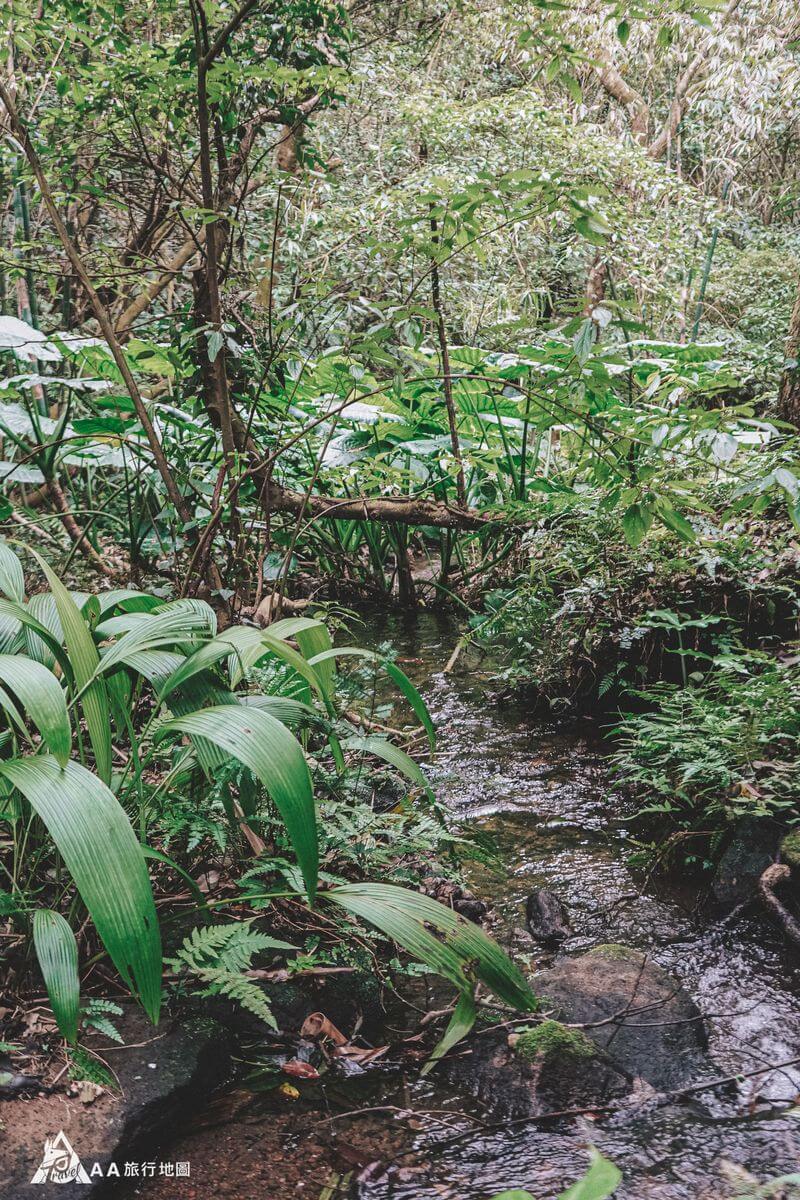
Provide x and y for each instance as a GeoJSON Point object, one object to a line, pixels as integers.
{"type": "Point", "coordinates": [723, 747]}
{"type": "Point", "coordinates": [218, 955]}
{"type": "Point", "coordinates": [463, 954]}
{"type": "Point", "coordinates": [57, 952]}
{"type": "Point", "coordinates": [600, 1181]}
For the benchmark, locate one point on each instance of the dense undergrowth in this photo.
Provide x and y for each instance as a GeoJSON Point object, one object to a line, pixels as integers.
{"type": "Point", "coordinates": [323, 304]}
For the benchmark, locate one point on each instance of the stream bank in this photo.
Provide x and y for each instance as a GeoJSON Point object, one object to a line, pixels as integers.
{"type": "Point", "coordinates": [543, 795]}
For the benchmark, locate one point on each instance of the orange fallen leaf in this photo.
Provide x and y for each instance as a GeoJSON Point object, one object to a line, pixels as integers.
{"type": "Point", "coordinates": [300, 1070]}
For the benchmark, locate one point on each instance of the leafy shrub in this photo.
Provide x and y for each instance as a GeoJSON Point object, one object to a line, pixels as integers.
{"type": "Point", "coordinates": [725, 747]}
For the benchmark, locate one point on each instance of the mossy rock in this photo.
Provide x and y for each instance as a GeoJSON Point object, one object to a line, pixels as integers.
{"type": "Point", "coordinates": [618, 951]}
{"type": "Point", "coordinates": [790, 850]}
{"type": "Point", "coordinates": [551, 1038]}
{"type": "Point", "coordinates": [633, 1008]}
{"type": "Point", "coordinates": [547, 1068]}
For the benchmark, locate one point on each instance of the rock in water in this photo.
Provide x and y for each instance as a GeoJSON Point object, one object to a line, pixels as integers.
{"type": "Point", "coordinates": [659, 1034]}
{"type": "Point", "coordinates": [546, 917]}
{"type": "Point", "coordinates": [547, 1068]}
{"type": "Point", "coordinates": [750, 851]}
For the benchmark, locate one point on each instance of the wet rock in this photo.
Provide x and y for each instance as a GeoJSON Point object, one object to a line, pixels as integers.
{"type": "Point", "coordinates": [548, 1068]}
{"type": "Point", "coordinates": [749, 853]}
{"type": "Point", "coordinates": [455, 897]}
{"type": "Point", "coordinates": [659, 1034]}
{"type": "Point", "coordinates": [165, 1075]}
{"type": "Point", "coordinates": [546, 917]}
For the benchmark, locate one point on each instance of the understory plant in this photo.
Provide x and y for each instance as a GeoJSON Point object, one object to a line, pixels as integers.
{"type": "Point", "coordinates": [723, 747]}
{"type": "Point", "coordinates": [114, 705]}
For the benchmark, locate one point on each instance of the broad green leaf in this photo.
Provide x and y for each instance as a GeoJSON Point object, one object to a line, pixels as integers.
{"type": "Point", "coordinates": [268, 749]}
{"type": "Point", "coordinates": [84, 660]}
{"type": "Point", "coordinates": [12, 579]}
{"type": "Point", "coordinates": [102, 854]}
{"type": "Point", "coordinates": [314, 638]}
{"type": "Point", "coordinates": [172, 626]}
{"type": "Point", "coordinates": [242, 644]}
{"type": "Point", "coordinates": [57, 952]}
{"type": "Point", "coordinates": [397, 758]}
{"type": "Point", "coordinates": [458, 1027]}
{"type": "Point", "coordinates": [677, 523]}
{"type": "Point", "coordinates": [601, 1180]}
{"type": "Point", "coordinates": [43, 698]}
{"type": "Point", "coordinates": [636, 521]}
{"type": "Point", "coordinates": [463, 954]}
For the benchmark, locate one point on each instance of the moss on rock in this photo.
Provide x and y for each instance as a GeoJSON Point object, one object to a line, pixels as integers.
{"type": "Point", "coordinates": [790, 849]}
{"type": "Point", "coordinates": [617, 950]}
{"type": "Point", "coordinates": [551, 1038]}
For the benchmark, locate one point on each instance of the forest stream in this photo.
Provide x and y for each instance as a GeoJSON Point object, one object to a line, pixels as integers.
{"type": "Point", "coordinates": [544, 796]}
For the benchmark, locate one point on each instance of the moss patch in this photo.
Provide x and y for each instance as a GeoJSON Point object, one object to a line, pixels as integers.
{"type": "Point", "coordinates": [615, 950]}
{"type": "Point", "coordinates": [790, 849]}
{"type": "Point", "coordinates": [551, 1038]}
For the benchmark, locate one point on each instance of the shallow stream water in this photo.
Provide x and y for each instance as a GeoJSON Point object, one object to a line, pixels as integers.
{"type": "Point", "coordinates": [545, 797]}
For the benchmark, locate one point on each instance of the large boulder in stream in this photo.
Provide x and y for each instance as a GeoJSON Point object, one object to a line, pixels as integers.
{"type": "Point", "coordinates": [750, 851]}
{"type": "Point", "coordinates": [632, 1009]}
{"type": "Point", "coordinates": [546, 1069]}
{"type": "Point", "coordinates": [638, 1024]}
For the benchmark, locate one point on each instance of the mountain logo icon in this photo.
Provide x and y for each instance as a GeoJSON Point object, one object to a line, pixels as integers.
{"type": "Point", "coordinates": [60, 1163]}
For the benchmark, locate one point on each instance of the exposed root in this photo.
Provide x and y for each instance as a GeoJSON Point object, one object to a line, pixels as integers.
{"type": "Point", "coordinates": [773, 877]}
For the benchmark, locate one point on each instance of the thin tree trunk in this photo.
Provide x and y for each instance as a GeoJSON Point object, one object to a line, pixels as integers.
{"type": "Point", "coordinates": [447, 377]}
{"type": "Point", "coordinates": [789, 394]}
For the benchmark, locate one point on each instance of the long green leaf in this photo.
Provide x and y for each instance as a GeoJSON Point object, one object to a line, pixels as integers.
{"type": "Point", "coordinates": [94, 837]}
{"type": "Point", "coordinates": [601, 1180]}
{"type": "Point", "coordinates": [44, 699]}
{"type": "Point", "coordinates": [464, 950]}
{"type": "Point", "coordinates": [151, 631]}
{"type": "Point", "coordinates": [84, 659]}
{"type": "Point", "coordinates": [395, 674]}
{"type": "Point", "coordinates": [397, 758]}
{"type": "Point", "coordinates": [269, 750]}
{"type": "Point", "coordinates": [414, 699]}
{"type": "Point", "coordinates": [12, 579]}
{"type": "Point", "coordinates": [57, 952]}
{"type": "Point", "coordinates": [458, 1027]}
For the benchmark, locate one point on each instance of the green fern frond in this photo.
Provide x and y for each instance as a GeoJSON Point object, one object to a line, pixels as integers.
{"type": "Point", "coordinates": [218, 954]}
{"type": "Point", "coordinates": [226, 947]}
{"type": "Point", "coordinates": [238, 988]}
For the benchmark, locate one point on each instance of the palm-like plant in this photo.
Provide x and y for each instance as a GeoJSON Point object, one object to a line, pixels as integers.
{"type": "Point", "coordinates": [83, 674]}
